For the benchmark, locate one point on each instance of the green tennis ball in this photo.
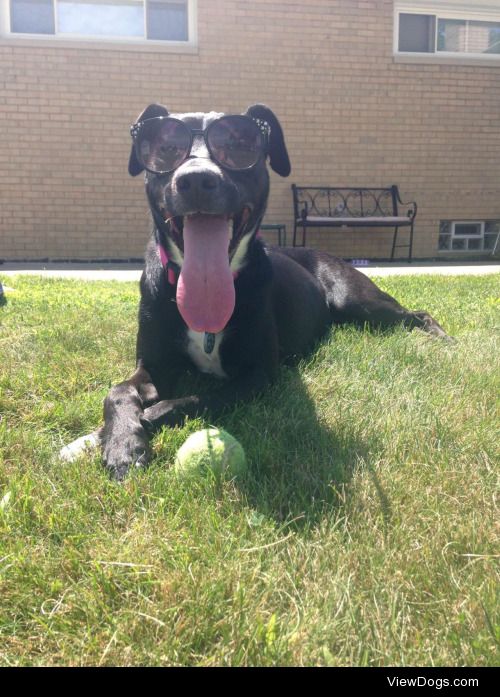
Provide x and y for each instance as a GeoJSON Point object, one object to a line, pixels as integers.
{"type": "Point", "coordinates": [211, 450]}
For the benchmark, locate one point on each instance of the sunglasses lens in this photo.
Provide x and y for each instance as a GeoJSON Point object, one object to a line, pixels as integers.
{"type": "Point", "coordinates": [235, 142]}
{"type": "Point", "coordinates": [162, 144]}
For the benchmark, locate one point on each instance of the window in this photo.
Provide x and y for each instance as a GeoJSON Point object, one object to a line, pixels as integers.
{"type": "Point", "coordinates": [152, 20]}
{"type": "Point", "coordinates": [167, 20]}
{"type": "Point", "coordinates": [468, 36]}
{"type": "Point", "coordinates": [417, 33]}
{"type": "Point", "coordinates": [32, 16]}
{"type": "Point", "coordinates": [468, 236]}
{"type": "Point", "coordinates": [447, 32]}
{"type": "Point", "coordinates": [100, 18]}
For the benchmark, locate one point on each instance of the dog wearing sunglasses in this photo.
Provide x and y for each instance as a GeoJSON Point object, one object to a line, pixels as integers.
{"type": "Point", "coordinates": [213, 295]}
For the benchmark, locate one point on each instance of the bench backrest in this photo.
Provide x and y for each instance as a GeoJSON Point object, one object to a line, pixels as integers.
{"type": "Point", "coordinates": [356, 202]}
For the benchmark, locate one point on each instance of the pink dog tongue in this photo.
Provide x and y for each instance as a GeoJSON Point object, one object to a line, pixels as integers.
{"type": "Point", "coordinates": [205, 291]}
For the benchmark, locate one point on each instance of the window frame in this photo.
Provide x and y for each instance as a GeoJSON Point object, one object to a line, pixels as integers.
{"type": "Point", "coordinates": [104, 41]}
{"type": "Point", "coordinates": [453, 235]}
{"type": "Point", "coordinates": [444, 11]}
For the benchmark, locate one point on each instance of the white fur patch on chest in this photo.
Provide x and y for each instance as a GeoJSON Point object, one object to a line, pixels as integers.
{"type": "Point", "coordinates": [238, 259]}
{"type": "Point", "coordinates": [206, 362]}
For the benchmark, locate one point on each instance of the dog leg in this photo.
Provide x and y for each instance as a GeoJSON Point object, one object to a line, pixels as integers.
{"type": "Point", "coordinates": [424, 321]}
{"type": "Point", "coordinates": [387, 312]}
{"type": "Point", "coordinates": [173, 412]}
{"type": "Point", "coordinates": [92, 441]}
{"type": "Point", "coordinates": [125, 442]}
{"type": "Point", "coordinates": [384, 311]}
{"type": "Point", "coordinates": [353, 297]}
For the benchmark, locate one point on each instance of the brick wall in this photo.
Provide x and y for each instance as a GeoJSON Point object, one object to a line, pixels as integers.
{"type": "Point", "coordinates": [352, 115]}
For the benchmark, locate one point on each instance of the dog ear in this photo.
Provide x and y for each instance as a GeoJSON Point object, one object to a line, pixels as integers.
{"type": "Point", "coordinates": [278, 154]}
{"type": "Point", "coordinates": [150, 112]}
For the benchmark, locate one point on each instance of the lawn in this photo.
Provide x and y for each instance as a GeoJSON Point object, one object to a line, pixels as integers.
{"type": "Point", "coordinates": [365, 533]}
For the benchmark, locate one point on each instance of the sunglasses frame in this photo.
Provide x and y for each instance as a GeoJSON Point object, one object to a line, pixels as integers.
{"type": "Point", "coordinates": [262, 127]}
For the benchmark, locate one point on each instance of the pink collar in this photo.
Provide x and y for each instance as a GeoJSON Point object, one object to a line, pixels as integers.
{"type": "Point", "coordinates": [169, 266]}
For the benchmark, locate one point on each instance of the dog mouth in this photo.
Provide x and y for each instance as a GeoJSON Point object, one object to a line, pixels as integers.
{"type": "Point", "coordinates": [205, 292]}
{"type": "Point", "coordinates": [238, 225]}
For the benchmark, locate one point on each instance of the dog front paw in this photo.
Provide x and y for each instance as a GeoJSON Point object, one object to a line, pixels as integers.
{"type": "Point", "coordinates": [162, 413]}
{"type": "Point", "coordinates": [120, 454]}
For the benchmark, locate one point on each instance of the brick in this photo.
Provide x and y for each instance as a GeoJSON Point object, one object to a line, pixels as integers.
{"type": "Point", "coordinates": [351, 116]}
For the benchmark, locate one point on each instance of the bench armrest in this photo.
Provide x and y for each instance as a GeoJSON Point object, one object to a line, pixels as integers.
{"type": "Point", "coordinates": [411, 211]}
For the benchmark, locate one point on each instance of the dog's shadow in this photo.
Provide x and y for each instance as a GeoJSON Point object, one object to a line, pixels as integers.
{"type": "Point", "coordinates": [298, 466]}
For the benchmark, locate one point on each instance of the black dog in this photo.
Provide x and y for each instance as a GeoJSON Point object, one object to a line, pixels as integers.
{"type": "Point", "coordinates": [212, 294]}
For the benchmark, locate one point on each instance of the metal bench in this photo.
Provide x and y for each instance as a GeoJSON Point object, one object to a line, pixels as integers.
{"type": "Point", "coordinates": [359, 207]}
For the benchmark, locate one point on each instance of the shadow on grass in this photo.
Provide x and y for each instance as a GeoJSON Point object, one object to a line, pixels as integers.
{"type": "Point", "coordinates": [300, 464]}
{"type": "Point", "coordinates": [299, 467]}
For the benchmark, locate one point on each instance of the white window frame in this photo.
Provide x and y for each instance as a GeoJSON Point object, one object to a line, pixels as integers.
{"type": "Point", "coordinates": [453, 235]}
{"type": "Point", "coordinates": [85, 40]}
{"type": "Point", "coordinates": [483, 12]}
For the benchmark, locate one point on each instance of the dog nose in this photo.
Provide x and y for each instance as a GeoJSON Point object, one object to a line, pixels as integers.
{"type": "Point", "coordinates": [199, 185]}
{"type": "Point", "coordinates": [197, 182]}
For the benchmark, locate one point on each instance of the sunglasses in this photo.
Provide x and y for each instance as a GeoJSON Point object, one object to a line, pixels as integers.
{"type": "Point", "coordinates": [235, 142]}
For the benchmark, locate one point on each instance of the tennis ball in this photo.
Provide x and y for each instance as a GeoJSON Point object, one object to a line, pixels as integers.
{"type": "Point", "coordinates": [211, 449]}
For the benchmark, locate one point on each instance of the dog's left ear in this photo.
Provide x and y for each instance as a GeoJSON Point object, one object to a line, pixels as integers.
{"type": "Point", "coordinates": [278, 154]}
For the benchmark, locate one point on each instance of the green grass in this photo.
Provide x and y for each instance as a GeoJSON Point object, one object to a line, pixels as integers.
{"type": "Point", "coordinates": [364, 534]}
